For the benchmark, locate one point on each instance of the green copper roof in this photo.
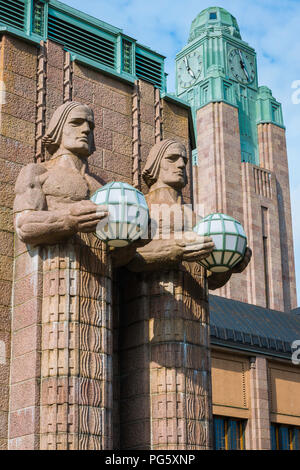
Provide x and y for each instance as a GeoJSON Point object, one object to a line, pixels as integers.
{"type": "Point", "coordinates": [89, 40]}
{"type": "Point", "coordinates": [214, 18]}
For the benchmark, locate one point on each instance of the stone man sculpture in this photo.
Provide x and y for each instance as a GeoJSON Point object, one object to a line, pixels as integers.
{"type": "Point", "coordinates": [165, 318]}
{"type": "Point", "coordinates": [72, 275]}
{"type": "Point", "coordinates": [166, 176]}
{"type": "Point", "coordinates": [70, 288]}
{"type": "Point", "coordinates": [52, 198]}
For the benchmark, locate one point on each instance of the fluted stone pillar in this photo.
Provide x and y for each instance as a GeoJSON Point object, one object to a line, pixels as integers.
{"type": "Point", "coordinates": [260, 408]}
{"type": "Point", "coordinates": [67, 360]}
{"type": "Point", "coordinates": [165, 360]}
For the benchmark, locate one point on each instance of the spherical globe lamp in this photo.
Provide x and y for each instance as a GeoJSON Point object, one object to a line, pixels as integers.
{"type": "Point", "coordinates": [128, 214]}
{"type": "Point", "coordinates": [229, 238]}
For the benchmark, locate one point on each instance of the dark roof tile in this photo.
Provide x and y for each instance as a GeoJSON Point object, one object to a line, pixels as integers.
{"type": "Point", "coordinates": [253, 326]}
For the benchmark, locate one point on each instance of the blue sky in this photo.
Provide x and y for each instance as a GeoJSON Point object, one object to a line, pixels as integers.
{"type": "Point", "coordinates": [270, 26]}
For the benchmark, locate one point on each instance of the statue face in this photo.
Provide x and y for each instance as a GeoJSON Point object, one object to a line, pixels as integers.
{"type": "Point", "coordinates": [173, 167]}
{"type": "Point", "coordinates": [78, 130]}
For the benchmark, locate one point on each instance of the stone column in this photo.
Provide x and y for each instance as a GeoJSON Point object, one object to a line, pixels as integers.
{"type": "Point", "coordinates": [165, 361]}
{"type": "Point", "coordinates": [218, 175]}
{"type": "Point", "coordinates": [25, 376]}
{"type": "Point", "coordinates": [273, 155]}
{"type": "Point", "coordinates": [66, 400]}
{"type": "Point", "coordinates": [260, 414]}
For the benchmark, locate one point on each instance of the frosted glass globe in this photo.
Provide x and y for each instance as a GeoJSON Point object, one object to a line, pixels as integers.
{"type": "Point", "coordinates": [229, 238]}
{"type": "Point", "coordinates": [128, 214]}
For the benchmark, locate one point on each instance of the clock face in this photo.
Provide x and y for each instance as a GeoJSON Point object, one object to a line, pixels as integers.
{"type": "Point", "coordinates": [190, 69]}
{"type": "Point", "coordinates": [241, 66]}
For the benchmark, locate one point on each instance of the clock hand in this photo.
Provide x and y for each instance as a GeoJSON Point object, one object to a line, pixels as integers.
{"type": "Point", "coordinates": [246, 73]}
{"type": "Point", "coordinates": [243, 65]}
{"type": "Point", "coordinates": [241, 59]}
{"type": "Point", "coordinates": [189, 68]}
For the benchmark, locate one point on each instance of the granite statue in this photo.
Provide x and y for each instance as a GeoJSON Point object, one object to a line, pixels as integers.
{"type": "Point", "coordinates": [165, 174]}
{"type": "Point", "coordinates": [52, 198]}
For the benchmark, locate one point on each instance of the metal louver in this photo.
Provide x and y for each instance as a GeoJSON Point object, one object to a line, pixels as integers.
{"type": "Point", "coordinates": [90, 41]}
{"type": "Point", "coordinates": [12, 12]}
{"type": "Point", "coordinates": [149, 70]}
{"type": "Point", "coordinates": [76, 39]}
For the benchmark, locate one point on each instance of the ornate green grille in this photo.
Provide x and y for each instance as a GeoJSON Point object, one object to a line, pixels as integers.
{"type": "Point", "coordinates": [127, 56]}
{"type": "Point", "coordinates": [38, 17]}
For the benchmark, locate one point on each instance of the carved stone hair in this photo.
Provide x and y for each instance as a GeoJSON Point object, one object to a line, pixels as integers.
{"type": "Point", "coordinates": [53, 135]}
{"type": "Point", "coordinates": [152, 167]}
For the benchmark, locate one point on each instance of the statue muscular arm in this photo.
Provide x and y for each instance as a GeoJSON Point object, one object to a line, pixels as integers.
{"type": "Point", "coordinates": [160, 254]}
{"type": "Point", "coordinates": [35, 224]}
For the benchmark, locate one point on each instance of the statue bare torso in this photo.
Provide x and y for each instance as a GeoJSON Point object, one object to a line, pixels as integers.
{"type": "Point", "coordinates": [63, 187]}
{"type": "Point", "coordinates": [48, 197]}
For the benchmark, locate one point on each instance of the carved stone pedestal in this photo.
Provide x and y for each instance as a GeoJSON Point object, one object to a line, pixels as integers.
{"type": "Point", "coordinates": [61, 380]}
{"type": "Point", "coordinates": [165, 360]}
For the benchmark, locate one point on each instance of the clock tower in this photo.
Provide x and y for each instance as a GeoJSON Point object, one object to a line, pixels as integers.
{"type": "Point", "coordinates": [240, 164]}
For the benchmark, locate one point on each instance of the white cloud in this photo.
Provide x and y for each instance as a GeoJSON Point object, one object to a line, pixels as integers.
{"type": "Point", "coordinates": [270, 26]}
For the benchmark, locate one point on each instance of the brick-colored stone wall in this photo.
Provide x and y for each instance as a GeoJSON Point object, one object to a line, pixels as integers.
{"type": "Point", "coordinates": [254, 198]}
{"type": "Point", "coordinates": [273, 154]}
{"type": "Point", "coordinates": [218, 177]}
{"type": "Point", "coordinates": [111, 101]}
{"type": "Point", "coordinates": [17, 127]}
{"type": "Point", "coordinates": [222, 183]}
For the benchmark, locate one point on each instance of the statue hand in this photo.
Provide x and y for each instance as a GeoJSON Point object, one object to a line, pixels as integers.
{"type": "Point", "coordinates": [85, 215]}
{"type": "Point", "coordinates": [196, 247]}
{"type": "Point", "coordinates": [244, 262]}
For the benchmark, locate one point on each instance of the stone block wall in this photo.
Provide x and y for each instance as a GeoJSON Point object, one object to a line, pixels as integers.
{"type": "Point", "coordinates": [222, 183]}
{"type": "Point", "coordinates": [273, 154]}
{"type": "Point", "coordinates": [218, 176]}
{"type": "Point", "coordinates": [256, 197]}
{"type": "Point", "coordinates": [18, 62]}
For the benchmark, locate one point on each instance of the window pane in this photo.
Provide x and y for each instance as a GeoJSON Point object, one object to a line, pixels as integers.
{"type": "Point", "coordinates": [273, 437]}
{"type": "Point", "coordinates": [242, 435]}
{"type": "Point", "coordinates": [296, 435]}
{"type": "Point", "coordinates": [219, 434]}
{"type": "Point", "coordinates": [228, 433]}
{"type": "Point", "coordinates": [232, 435]}
{"type": "Point", "coordinates": [284, 438]}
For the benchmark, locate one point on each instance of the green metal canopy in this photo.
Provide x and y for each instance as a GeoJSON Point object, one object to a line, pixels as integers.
{"type": "Point", "coordinates": [89, 40]}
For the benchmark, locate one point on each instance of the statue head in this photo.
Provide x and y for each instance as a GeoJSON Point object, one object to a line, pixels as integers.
{"type": "Point", "coordinates": [71, 130]}
{"type": "Point", "coordinates": [166, 165]}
